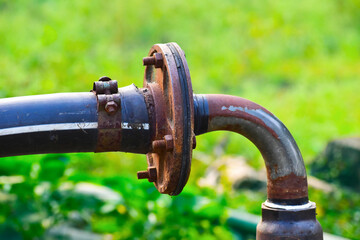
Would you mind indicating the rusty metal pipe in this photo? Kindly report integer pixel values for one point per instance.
(287, 214)
(161, 120)
(287, 183)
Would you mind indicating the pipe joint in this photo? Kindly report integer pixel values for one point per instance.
(161, 120)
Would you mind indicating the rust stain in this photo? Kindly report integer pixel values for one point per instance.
(109, 115)
(216, 109)
(288, 187)
(164, 101)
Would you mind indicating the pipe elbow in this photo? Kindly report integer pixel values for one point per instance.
(286, 174)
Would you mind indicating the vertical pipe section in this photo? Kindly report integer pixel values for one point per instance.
(287, 181)
(52, 123)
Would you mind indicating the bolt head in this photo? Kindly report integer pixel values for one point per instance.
(169, 143)
(159, 62)
(111, 107)
(152, 174)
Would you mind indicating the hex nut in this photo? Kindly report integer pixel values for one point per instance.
(111, 107)
(152, 174)
(156, 59)
(169, 143)
(165, 144)
(159, 62)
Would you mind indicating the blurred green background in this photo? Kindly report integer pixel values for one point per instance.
(299, 59)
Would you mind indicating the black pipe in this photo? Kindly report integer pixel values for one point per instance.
(73, 122)
(53, 123)
(135, 130)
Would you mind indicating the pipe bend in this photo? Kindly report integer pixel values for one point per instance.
(286, 174)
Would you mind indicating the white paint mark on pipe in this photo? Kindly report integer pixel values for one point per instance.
(232, 108)
(48, 127)
(138, 126)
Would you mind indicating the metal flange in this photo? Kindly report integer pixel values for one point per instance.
(167, 78)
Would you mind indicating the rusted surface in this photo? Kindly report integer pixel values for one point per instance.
(281, 224)
(111, 107)
(156, 59)
(167, 78)
(287, 183)
(109, 116)
(150, 174)
(105, 86)
(159, 120)
(166, 144)
(231, 106)
(288, 187)
(109, 132)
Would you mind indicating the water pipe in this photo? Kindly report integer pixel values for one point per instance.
(162, 120)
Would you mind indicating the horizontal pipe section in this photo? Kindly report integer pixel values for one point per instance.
(287, 181)
(74, 122)
(135, 126)
(53, 123)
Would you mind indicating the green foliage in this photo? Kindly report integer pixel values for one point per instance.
(40, 202)
(338, 211)
(298, 59)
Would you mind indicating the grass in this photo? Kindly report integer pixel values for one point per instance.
(298, 59)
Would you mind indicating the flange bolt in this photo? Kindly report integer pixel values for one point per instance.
(111, 107)
(166, 144)
(150, 174)
(156, 59)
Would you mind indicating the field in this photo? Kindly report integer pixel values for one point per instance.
(300, 60)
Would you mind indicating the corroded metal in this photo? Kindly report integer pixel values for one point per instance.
(109, 115)
(123, 122)
(287, 214)
(105, 86)
(161, 120)
(285, 167)
(167, 78)
(156, 59)
(150, 174)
